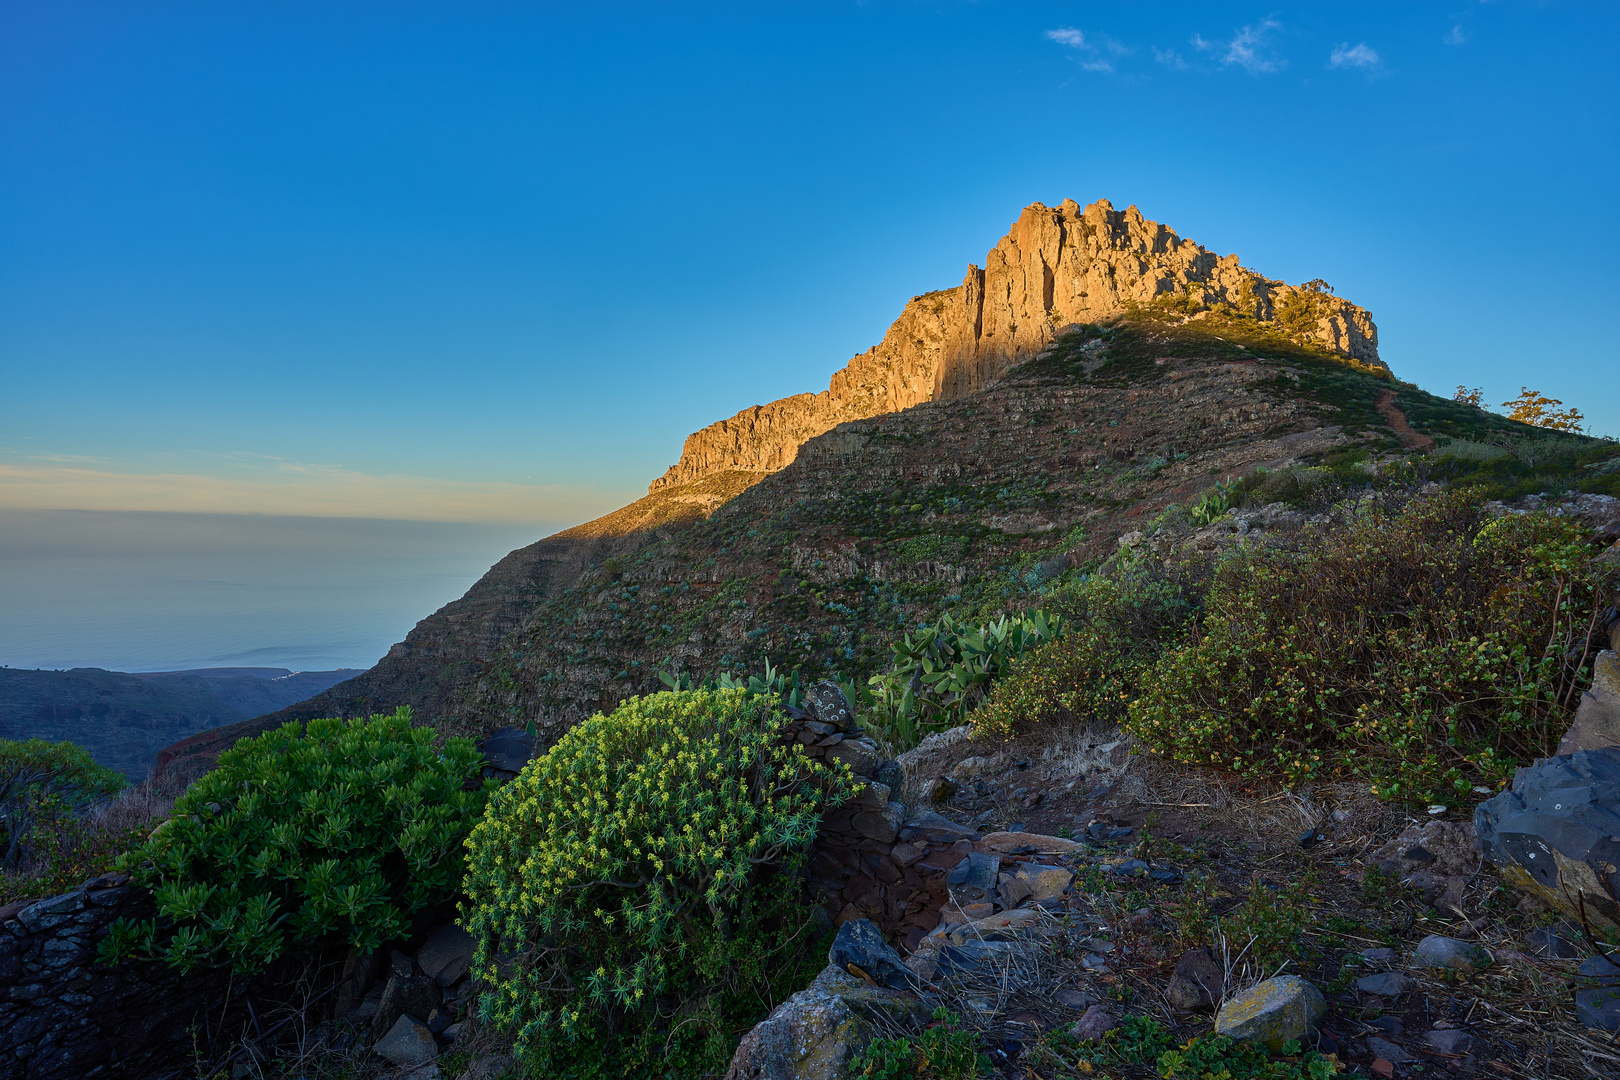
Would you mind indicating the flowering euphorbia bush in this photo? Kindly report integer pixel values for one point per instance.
(624, 865)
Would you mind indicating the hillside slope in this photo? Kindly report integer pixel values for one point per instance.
(964, 492)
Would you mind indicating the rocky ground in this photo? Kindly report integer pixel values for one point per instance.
(1426, 961)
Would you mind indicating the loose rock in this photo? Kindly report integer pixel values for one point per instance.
(974, 879)
(447, 955)
(1272, 1012)
(1385, 984)
(1556, 832)
(1198, 982)
(1387, 1050)
(860, 942)
(1435, 951)
(408, 1043)
(1096, 1022)
(1450, 1041)
(410, 995)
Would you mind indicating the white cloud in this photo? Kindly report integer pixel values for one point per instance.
(1248, 49)
(1170, 59)
(1093, 53)
(300, 490)
(1358, 57)
(1454, 36)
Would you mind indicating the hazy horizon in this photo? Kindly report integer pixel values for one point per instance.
(150, 591)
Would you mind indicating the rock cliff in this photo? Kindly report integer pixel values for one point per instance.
(1056, 267)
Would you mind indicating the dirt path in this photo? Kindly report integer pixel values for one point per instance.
(1409, 436)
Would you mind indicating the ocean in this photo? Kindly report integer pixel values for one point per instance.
(163, 592)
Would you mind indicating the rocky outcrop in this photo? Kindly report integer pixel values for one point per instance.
(1556, 833)
(1057, 267)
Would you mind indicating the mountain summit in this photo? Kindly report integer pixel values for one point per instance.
(1057, 268)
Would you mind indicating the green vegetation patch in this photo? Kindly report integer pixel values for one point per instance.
(338, 829)
(1427, 650)
(1118, 625)
(1141, 1040)
(943, 1051)
(628, 888)
(44, 789)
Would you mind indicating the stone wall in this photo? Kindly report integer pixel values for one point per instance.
(869, 861)
(65, 1017)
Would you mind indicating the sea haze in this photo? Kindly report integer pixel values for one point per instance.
(163, 592)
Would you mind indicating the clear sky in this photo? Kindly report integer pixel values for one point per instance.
(492, 262)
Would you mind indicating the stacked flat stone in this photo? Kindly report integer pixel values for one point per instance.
(64, 1017)
(868, 861)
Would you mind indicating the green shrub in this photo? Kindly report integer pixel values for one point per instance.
(1268, 928)
(1222, 1058)
(1141, 1040)
(634, 871)
(1427, 649)
(46, 780)
(1211, 505)
(940, 674)
(942, 1052)
(1118, 625)
(341, 829)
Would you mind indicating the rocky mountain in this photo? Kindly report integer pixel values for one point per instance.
(124, 718)
(1004, 432)
(1056, 268)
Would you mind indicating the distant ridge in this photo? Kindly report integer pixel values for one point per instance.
(124, 718)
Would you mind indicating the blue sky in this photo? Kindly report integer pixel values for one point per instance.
(491, 262)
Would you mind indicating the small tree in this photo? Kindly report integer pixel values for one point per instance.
(36, 775)
(1465, 396)
(1537, 409)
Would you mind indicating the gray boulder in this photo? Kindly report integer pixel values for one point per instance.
(860, 942)
(1556, 833)
(1436, 951)
(1273, 1012)
(408, 1043)
(816, 1033)
(447, 955)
